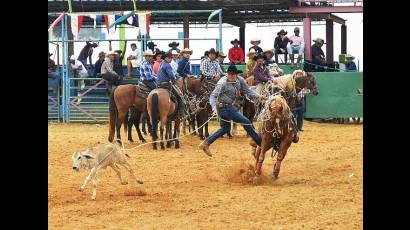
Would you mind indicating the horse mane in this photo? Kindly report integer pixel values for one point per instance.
(282, 107)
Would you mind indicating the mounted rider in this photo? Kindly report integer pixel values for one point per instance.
(184, 65)
(166, 80)
(224, 101)
(210, 68)
(147, 76)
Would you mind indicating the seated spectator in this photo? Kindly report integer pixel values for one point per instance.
(221, 58)
(255, 45)
(268, 53)
(53, 74)
(281, 41)
(108, 73)
(296, 45)
(249, 67)
(133, 59)
(261, 73)
(350, 65)
(236, 55)
(318, 56)
(98, 64)
(118, 63)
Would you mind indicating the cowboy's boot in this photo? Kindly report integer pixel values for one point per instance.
(205, 147)
(298, 61)
(292, 60)
(296, 138)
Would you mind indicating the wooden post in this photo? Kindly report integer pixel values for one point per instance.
(329, 41)
(343, 39)
(307, 35)
(242, 38)
(186, 30)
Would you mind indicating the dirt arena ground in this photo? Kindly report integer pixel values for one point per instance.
(320, 185)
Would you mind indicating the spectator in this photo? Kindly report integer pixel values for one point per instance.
(268, 53)
(296, 45)
(299, 112)
(79, 72)
(281, 41)
(98, 64)
(249, 67)
(174, 63)
(133, 59)
(53, 74)
(108, 73)
(87, 52)
(174, 46)
(203, 58)
(236, 54)
(119, 56)
(158, 56)
(184, 66)
(210, 67)
(221, 58)
(261, 73)
(318, 56)
(147, 76)
(151, 46)
(350, 65)
(255, 45)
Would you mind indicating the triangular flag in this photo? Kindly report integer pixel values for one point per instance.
(109, 19)
(144, 22)
(80, 22)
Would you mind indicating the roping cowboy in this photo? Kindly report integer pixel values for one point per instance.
(224, 101)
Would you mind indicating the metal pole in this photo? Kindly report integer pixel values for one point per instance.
(63, 74)
(66, 96)
(220, 32)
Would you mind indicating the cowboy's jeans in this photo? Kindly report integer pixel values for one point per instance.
(150, 84)
(229, 112)
(299, 113)
(295, 49)
(55, 79)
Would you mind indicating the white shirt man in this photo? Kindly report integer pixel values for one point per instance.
(134, 58)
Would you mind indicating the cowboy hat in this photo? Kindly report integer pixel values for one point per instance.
(349, 57)
(221, 54)
(319, 40)
(282, 32)
(236, 40)
(148, 53)
(296, 29)
(151, 44)
(173, 43)
(233, 69)
(251, 51)
(255, 39)
(186, 50)
(102, 53)
(298, 71)
(212, 50)
(174, 52)
(259, 56)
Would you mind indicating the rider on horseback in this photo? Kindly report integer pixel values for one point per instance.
(223, 101)
(166, 79)
(146, 70)
(210, 68)
(184, 66)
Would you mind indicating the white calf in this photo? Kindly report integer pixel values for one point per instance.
(100, 157)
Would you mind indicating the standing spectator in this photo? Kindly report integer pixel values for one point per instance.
(210, 67)
(133, 59)
(281, 41)
(79, 72)
(119, 56)
(146, 70)
(318, 56)
(174, 46)
(108, 73)
(158, 56)
(251, 64)
(52, 73)
(261, 73)
(203, 58)
(221, 59)
(236, 54)
(98, 64)
(87, 52)
(299, 111)
(151, 46)
(184, 66)
(350, 65)
(296, 45)
(255, 45)
(174, 63)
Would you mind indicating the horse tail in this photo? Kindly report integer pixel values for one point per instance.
(127, 121)
(154, 114)
(113, 116)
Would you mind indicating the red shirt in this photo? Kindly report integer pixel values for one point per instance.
(156, 66)
(236, 54)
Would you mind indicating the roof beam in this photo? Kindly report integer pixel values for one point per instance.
(328, 16)
(326, 9)
(237, 23)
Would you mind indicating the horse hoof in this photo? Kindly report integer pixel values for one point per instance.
(256, 180)
(143, 141)
(274, 177)
(177, 146)
(145, 133)
(168, 145)
(81, 189)
(131, 140)
(162, 147)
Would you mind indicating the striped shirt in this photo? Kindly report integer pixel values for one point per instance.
(210, 68)
(303, 93)
(146, 71)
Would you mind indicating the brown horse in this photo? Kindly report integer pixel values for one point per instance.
(198, 91)
(160, 107)
(277, 130)
(307, 81)
(123, 98)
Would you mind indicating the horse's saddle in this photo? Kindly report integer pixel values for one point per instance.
(143, 90)
(168, 86)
